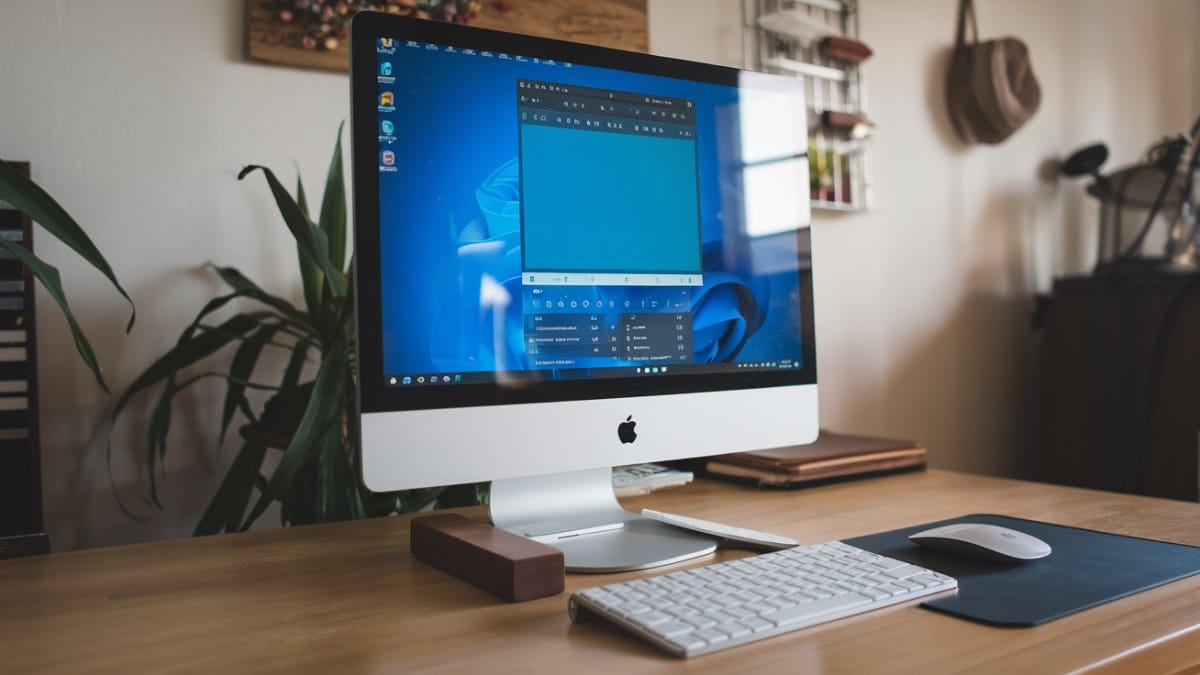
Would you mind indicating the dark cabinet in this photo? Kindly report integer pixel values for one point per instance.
(1119, 388)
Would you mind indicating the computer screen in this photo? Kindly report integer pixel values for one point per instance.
(571, 257)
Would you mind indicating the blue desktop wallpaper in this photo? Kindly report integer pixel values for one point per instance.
(450, 217)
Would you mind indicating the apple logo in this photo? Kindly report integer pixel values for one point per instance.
(625, 430)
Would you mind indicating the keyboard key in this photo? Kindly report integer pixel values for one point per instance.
(734, 629)
(757, 624)
(672, 628)
(687, 642)
(905, 571)
(630, 608)
(711, 635)
(653, 618)
(816, 608)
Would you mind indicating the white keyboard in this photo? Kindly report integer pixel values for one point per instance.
(703, 609)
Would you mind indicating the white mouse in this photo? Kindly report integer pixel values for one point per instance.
(987, 542)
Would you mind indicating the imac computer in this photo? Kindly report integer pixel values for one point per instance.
(571, 258)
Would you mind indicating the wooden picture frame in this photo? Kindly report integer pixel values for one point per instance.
(620, 24)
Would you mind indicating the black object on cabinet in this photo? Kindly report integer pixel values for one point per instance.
(1119, 389)
(21, 526)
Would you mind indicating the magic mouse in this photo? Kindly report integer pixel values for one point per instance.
(985, 542)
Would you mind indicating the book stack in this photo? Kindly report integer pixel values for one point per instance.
(831, 457)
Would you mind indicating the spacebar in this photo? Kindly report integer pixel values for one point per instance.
(815, 609)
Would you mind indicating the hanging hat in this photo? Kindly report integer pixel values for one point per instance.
(991, 89)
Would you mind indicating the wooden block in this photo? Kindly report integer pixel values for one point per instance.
(496, 560)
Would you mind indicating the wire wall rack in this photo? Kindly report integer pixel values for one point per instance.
(807, 39)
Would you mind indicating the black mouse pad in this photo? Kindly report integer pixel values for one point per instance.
(1085, 568)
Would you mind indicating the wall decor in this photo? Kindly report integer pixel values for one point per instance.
(313, 33)
(818, 40)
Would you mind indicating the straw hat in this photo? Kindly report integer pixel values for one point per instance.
(991, 89)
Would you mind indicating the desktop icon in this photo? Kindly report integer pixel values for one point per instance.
(387, 98)
(388, 158)
(387, 127)
(421, 380)
(407, 380)
(625, 430)
(385, 42)
(385, 69)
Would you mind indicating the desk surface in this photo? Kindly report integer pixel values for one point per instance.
(349, 597)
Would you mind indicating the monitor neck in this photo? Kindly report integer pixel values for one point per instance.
(578, 513)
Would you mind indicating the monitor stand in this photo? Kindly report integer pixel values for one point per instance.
(578, 513)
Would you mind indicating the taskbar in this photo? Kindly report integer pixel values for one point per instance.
(576, 373)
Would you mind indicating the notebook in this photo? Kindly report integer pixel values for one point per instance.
(831, 456)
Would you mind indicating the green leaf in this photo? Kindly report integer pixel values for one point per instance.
(160, 422)
(188, 350)
(310, 238)
(311, 281)
(240, 369)
(52, 282)
(247, 288)
(301, 198)
(333, 206)
(156, 435)
(320, 413)
(333, 498)
(299, 357)
(32, 200)
(224, 512)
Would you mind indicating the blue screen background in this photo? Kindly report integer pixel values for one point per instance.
(450, 255)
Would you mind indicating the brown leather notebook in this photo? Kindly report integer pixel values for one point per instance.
(832, 455)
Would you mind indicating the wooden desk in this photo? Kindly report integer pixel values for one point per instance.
(349, 597)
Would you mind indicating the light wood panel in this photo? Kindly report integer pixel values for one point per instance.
(349, 597)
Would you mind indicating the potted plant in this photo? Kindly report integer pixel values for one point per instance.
(311, 421)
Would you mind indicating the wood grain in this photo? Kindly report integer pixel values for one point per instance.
(349, 597)
(621, 24)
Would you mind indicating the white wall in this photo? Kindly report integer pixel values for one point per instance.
(923, 304)
(138, 115)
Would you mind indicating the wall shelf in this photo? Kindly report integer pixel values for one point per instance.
(783, 37)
